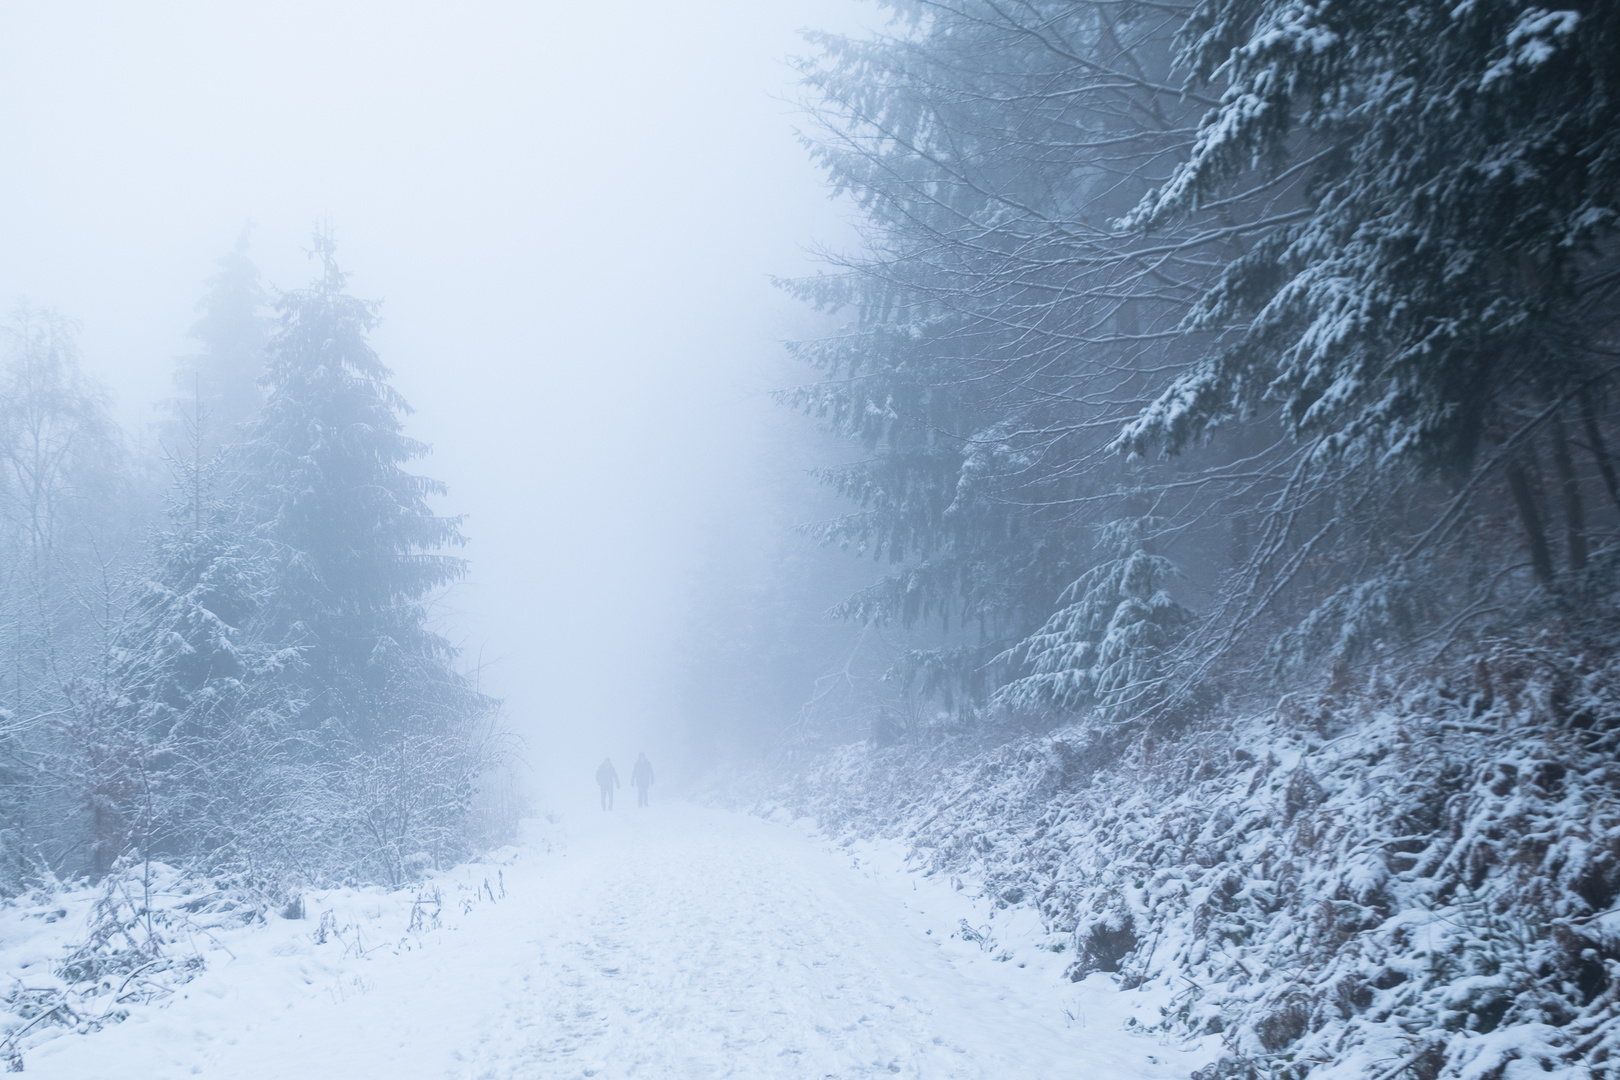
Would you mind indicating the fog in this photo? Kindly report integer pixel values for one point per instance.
(1070, 497)
(570, 212)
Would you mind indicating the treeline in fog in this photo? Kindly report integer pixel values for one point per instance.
(220, 652)
(1223, 395)
(1195, 349)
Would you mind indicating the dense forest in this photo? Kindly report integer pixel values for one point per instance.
(1186, 532)
(220, 651)
(1194, 348)
(1197, 357)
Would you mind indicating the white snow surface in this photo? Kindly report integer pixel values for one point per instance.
(675, 941)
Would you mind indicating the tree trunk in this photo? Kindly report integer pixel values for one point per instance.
(1570, 486)
(1524, 496)
(1594, 438)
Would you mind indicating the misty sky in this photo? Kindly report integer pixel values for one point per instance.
(569, 210)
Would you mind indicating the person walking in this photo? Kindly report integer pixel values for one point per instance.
(641, 776)
(607, 778)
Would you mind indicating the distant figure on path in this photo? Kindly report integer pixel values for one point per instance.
(607, 778)
(641, 776)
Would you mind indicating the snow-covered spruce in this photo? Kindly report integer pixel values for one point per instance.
(1412, 878)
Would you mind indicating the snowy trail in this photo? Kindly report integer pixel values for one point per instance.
(671, 942)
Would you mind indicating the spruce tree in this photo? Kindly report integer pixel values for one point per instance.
(358, 549)
(1443, 296)
(1332, 285)
(217, 387)
(192, 711)
(1110, 642)
(997, 333)
(275, 704)
(391, 733)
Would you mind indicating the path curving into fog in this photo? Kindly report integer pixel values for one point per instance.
(666, 943)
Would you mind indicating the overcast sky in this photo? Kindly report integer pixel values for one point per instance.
(569, 210)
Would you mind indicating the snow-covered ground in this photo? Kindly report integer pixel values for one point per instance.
(670, 942)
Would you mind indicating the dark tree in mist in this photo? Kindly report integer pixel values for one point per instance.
(998, 332)
(222, 377)
(1442, 302)
(357, 557)
(359, 549)
(1314, 304)
(248, 686)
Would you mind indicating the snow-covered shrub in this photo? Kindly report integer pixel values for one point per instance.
(132, 937)
(1108, 646)
(1416, 876)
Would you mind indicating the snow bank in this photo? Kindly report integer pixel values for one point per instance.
(1413, 878)
(671, 941)
(78, 958)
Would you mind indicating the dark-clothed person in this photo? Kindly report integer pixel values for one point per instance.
(607, 778)
(641, 776)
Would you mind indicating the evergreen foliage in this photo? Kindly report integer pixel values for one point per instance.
(217, 387)
(1107, 645)
(1312, 294)
(997, 334)
(357, 547)
(1462, 172)
(259, 695)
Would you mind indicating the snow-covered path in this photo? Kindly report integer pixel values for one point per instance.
(671, 942)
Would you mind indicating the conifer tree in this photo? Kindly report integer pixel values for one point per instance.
(998, 334)
(358, 549)
(273, 700)
(1444, 294)
(1113, 637)
(393, 733)
(217, 387)
(1332, 285)
(197, 696)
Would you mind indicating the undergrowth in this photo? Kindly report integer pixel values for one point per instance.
(1414, 877)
